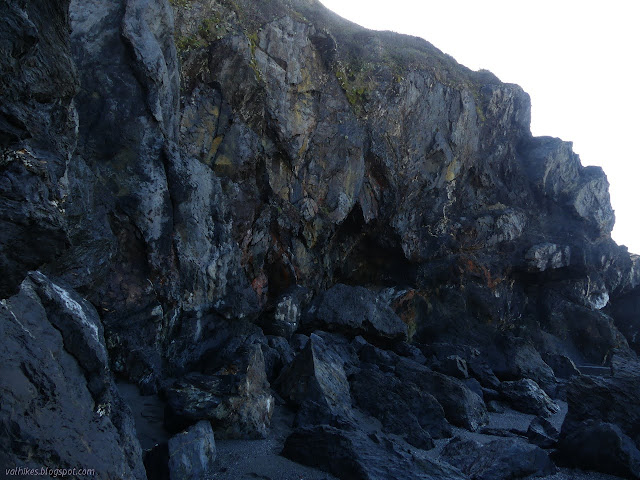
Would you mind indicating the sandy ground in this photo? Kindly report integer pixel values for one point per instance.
(148, 413)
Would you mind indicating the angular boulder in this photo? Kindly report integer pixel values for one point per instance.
(602, 447)
(454, 366)
(602, 428)
(353, 455)
(355, 311)
(60, 405)
(526, 396)
(192, 453)
(543, 433)
(498, 460)
(236, 400)
(401, 407)
(563, 367)
(606, 399)
(462, 407)
(316, 379)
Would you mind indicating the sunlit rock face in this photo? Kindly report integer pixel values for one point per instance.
(238, 192)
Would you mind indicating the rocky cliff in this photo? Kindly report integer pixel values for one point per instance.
(241, 204)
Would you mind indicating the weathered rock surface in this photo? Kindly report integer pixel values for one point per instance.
(498, 459)
(37, 126)
(210, 183)
(355, 311)
(60, 406)
(192, 453)
(285, 318)
(602, 427)
(526, 396)
(355, 455)
(316, 382)
(236, 399)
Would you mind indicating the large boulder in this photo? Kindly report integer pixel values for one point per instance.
(526, 396)
(60, 405)
(236, 399)
(192, 453)
(316, 380)
(600, 446)
(514, 359)
(602, 428)
(353, 455)
(498, 460)
(401, 407)
(355, 311)
(462, 407)
(607, 399)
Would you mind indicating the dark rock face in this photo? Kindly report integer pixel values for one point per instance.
(214, 194)
(316, 381)
(37, 123)
(60, 407)
(625, 314)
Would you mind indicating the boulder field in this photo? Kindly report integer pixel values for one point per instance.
(251, 239)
